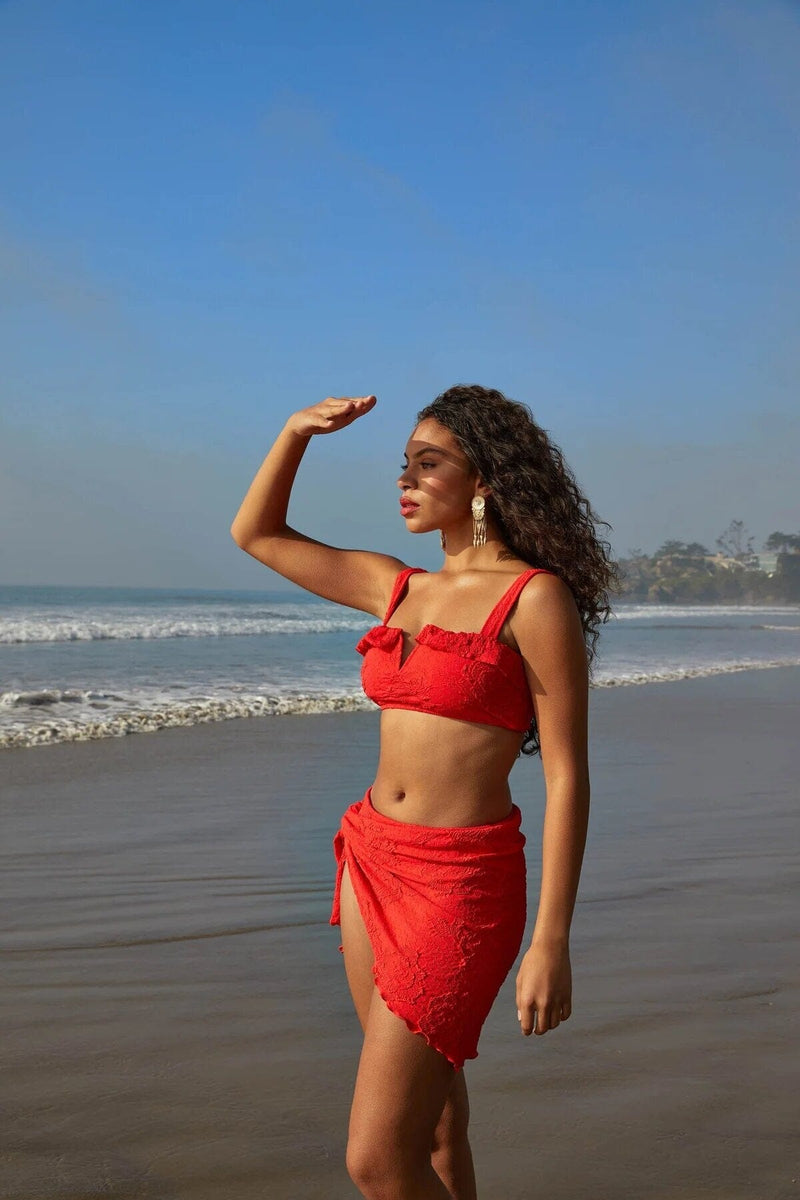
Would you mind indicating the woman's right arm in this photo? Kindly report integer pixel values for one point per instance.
(358, 578)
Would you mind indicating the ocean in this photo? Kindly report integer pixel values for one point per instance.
(95, 662)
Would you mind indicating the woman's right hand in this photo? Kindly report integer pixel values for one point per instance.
(332, 414)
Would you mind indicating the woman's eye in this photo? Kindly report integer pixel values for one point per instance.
(428, 464)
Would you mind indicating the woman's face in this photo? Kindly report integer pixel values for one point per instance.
(437, 481)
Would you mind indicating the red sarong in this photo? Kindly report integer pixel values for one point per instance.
(445, 913)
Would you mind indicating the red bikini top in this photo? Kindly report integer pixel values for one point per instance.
(465, 676)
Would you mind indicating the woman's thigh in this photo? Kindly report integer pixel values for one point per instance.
(402, 1087)
(400, 1077)
(357, 949)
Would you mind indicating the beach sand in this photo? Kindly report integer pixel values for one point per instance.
(175, 1018)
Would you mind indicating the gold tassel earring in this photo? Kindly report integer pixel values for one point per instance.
(478, 521)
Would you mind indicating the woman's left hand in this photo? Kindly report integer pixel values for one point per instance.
(544, 987)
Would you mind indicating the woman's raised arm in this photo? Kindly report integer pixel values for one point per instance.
(358, 578)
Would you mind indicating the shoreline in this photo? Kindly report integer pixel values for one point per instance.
(181, 1024)
(215, 711)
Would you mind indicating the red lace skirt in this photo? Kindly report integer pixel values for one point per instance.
(445, 913)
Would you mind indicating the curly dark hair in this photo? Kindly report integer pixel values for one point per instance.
(535, 502)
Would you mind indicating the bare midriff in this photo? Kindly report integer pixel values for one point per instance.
(438, 771)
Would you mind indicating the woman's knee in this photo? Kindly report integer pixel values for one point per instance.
(382, 1170)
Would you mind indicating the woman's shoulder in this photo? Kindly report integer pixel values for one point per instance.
(545, 595)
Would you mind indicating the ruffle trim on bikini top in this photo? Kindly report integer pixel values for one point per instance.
(477, 646)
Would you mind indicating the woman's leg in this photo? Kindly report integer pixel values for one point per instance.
(400, 1092)
(394, 1136)
(451, 1155)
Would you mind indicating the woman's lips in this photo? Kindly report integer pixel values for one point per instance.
(407, 507)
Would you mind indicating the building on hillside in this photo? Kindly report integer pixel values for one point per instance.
(724, 561)
(767, 562)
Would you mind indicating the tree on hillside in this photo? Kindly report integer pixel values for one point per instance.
(634, 567)
(783, 543)
(675, 549)
(671, 546)
(734, 541)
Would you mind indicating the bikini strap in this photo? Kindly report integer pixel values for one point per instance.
(497, 617)
(398, 589)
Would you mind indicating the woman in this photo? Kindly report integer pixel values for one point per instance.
(430, 889)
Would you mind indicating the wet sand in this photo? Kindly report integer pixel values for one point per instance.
(175, 1016)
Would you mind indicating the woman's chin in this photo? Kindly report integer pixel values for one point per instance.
(415, 526)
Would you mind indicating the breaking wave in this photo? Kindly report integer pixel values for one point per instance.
(50, 715)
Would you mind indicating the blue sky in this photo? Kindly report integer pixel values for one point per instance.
(214, 214)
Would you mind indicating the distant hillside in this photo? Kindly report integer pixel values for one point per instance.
(687, 573)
